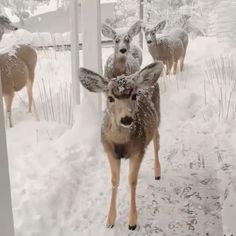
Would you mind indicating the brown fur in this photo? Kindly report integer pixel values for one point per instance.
(168, 50)
(17, 71)
(136, 98)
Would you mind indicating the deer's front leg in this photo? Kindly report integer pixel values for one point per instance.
(135, 162)
(157, 166)
(115, 179)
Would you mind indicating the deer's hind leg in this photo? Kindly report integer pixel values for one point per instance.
(8, 98)
(115, 179)
(157, 166)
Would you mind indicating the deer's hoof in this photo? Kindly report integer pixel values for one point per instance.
(132, 227)
(157, 177)
(110, 226)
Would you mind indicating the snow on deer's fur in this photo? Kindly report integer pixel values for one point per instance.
(127, 58)
(131, 121)
(16, 70)
(171, 48)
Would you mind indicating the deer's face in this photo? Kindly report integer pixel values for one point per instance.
(121, 41)
(150, 33)
(121, 92)
(150, 36)
(6, 24)
(121, 101)
(122, 44)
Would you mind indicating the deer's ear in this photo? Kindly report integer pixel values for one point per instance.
(135, 29)
(160, 26)
(108, 32)
(92, 81)
(149, 75)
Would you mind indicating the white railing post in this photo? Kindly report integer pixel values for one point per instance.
(91, 30)
(6, 215)
(75, 51)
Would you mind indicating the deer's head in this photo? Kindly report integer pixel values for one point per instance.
(6, 24)
(150, 33)
(121, 41)
(122, 92)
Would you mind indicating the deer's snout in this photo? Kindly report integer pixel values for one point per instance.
(15, 28)
(123, 50)
(126, 121)
(149, 41)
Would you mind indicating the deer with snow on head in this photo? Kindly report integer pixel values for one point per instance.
(16, 71)
(131, 121)
(171, 48)
(127, 57)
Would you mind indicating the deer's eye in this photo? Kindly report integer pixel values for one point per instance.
(117, 40)
(134, 97)
(110, 99)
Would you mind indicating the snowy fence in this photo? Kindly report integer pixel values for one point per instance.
(58, 40)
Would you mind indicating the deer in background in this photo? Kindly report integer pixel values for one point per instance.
(16, 71)
(131, 121)
(127, 58)
(171, 48)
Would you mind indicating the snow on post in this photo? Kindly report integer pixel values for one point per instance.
(92, 56)
(141, 5)
(75, 51)
(6, 215)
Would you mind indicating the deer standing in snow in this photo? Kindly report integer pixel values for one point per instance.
(16, 71)
(131, 121)
(171, 48)
(127, 58)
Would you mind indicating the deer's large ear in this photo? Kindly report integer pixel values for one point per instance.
(149, 75)
(108, 32)
(160, 26)
(92, 81)
(135, 29)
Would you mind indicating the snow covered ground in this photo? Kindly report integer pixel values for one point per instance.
(60, 176)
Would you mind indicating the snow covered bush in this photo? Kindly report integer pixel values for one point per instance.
(223, 22)
(55, 107)
(220, 85)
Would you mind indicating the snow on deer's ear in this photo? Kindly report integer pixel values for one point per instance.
(160, 26)
(149, 75)
(92, 81)
(135, 29)
(108, 32)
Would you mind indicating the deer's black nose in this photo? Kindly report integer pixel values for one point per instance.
(15, 28)
(149, 41)
(123, 50)
(126, 121)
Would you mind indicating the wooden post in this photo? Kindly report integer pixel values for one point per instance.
(6, 215)
(141, 6)
(91, 30)
(75, 51)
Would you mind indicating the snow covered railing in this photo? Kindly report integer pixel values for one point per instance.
(6, 215)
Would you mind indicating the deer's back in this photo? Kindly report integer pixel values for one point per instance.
(28, 55)
(180, 34)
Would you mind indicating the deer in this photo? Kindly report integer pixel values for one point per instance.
(127, 57)
(131, 121)
(170, 48)
(16, 71)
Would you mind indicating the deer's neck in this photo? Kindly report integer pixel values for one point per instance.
(154, 50)
(120, 65)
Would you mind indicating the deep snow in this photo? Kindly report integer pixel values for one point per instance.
(60, 176)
